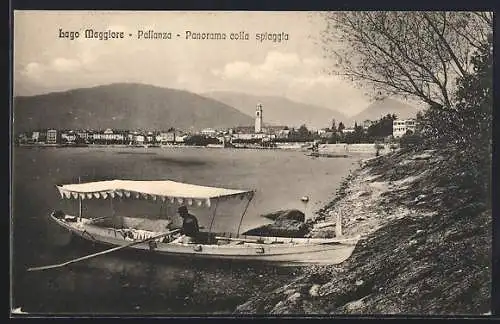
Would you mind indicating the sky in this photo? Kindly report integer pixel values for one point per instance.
(294, 68)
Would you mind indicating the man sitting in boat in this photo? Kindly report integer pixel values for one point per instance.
(190, 229)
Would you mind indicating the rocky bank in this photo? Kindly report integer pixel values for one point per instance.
(425, 247)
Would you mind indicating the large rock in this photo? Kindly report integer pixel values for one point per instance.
(287, 223)
(290, 214)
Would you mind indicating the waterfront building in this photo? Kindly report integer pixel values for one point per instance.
(321, 131)
(209, 132)
(284, 133)
(95, 136)
(249, 136)
(401, 127)
(131, 137)
(243, 130)
(35, 136)
(22, 138)
(167, 137)
(180, 138)
(84, 135)
(68, 136)
(108, 136)
(119, 136)
(273, 129)
(140, 139)
(325, 134)
(51, 136)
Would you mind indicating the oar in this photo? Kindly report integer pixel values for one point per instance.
(223, 238)
(60, 265)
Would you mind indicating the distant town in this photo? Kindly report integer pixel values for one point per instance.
(385, 130)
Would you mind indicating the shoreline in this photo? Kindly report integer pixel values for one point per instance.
(335, 151)
(418, 239)
(357, 200)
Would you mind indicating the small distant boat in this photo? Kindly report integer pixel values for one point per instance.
(328, 155)
(215, 145)
(210, 244)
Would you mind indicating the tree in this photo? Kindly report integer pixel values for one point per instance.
(334, 126)
(334, 138)
(303, 131)
(359, 131)
(300, 135)
(410, 140)
(200, 140)
(468, 126)
(356, 137)
(381, 128)
(410, 54)
(341, 127)
(470, 120)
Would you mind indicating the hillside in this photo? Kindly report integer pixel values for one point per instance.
(426, 246)
(124, 106)
(279, 110)
(382, 107)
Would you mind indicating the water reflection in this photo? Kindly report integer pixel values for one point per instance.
(134, 282)
(139, 283)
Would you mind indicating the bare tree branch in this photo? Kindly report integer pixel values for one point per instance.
(409, 53)
(445, 43)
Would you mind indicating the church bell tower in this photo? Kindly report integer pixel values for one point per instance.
(258, 119)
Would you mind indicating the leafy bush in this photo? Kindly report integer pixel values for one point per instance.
(411, 140)
(200, 140)
(467, 127)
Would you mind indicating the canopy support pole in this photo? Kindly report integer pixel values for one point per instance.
(213, 217)
(80, 208)
(79, 203)
(113, 218)
(243, 215)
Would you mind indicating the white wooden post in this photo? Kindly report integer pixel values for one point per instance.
(338, 224)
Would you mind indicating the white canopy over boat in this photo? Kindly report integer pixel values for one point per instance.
(166, 190)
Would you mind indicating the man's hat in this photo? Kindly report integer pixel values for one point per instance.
(182, 209)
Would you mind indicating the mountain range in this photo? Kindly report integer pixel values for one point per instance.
(124, 106)
(382, 107)
(140, 106)
(279, 110)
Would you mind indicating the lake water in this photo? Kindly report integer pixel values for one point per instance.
(137, 284)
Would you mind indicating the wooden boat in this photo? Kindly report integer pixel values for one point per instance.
(210, 244)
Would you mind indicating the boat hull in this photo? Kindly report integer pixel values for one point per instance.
(283, 251)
